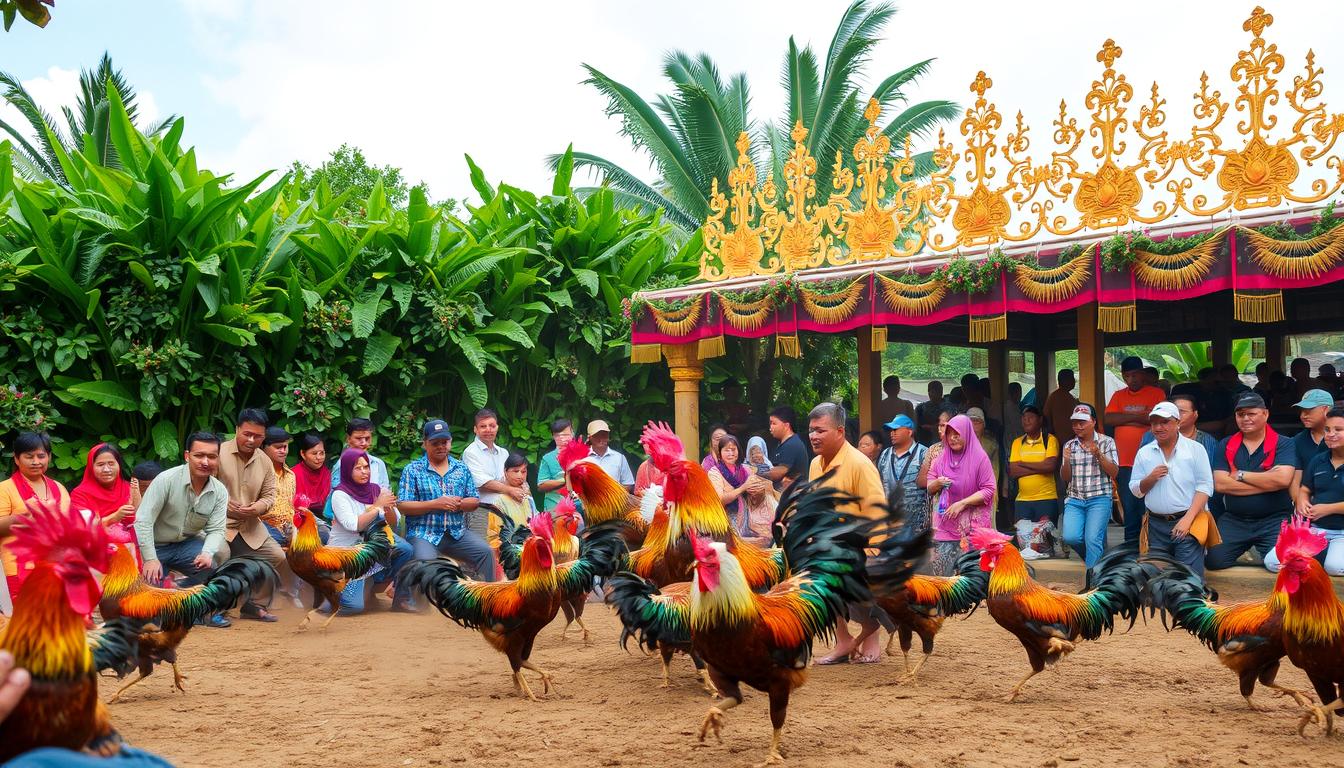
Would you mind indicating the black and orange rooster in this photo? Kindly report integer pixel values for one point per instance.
(329, 569)
(565, 545)
(1313, 620)
(46, 636)
(1048, 623)
(168, 614)
(765, 640)
(603, 498)
(509, 614)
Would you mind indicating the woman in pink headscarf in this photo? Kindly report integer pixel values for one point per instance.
(963, 483)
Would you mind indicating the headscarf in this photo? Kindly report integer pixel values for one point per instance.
(758, 442)
(964, 466)
(311, 485)
(735, 476)
(95, 497)
(364, 493)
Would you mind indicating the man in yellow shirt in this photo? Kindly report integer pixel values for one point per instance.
(1032, 462)
(857, 476)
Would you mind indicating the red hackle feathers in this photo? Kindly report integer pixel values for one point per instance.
(663, 445)
(55, 533)
(988, 538)
(1297, 538)
(572, 454)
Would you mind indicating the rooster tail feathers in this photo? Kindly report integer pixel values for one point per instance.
(440, 581)
(1184, 597)
(230, 583)
(116, 645)
(1120, 583)
(511, 538)
(601, 552)
(646, 614)
(956, 594)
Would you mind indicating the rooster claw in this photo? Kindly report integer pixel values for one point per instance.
(713, 722)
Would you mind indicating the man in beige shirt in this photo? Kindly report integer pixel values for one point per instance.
(248, 475)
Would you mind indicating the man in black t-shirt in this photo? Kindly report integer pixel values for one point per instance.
(791, 458)
(1252, 470)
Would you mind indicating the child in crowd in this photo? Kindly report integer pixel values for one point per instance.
(515, 475)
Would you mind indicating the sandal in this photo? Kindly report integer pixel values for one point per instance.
(861, 659)
(827, 661)
(261, 615)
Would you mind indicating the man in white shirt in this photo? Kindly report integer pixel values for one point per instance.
(1173, 477)
(486, 460)
(606, 457)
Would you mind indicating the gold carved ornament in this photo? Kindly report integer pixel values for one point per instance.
(737, 246)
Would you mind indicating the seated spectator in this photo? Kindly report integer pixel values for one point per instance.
(1089, 467)
(758, 458)
(1173, 478)
(106, 492)
(1032, 462)
(1320, 498)
(312, 479)
(870, 444)
(435, 492)
(1311, 440)
(355, 504)
(515, 476)
(1253, 471)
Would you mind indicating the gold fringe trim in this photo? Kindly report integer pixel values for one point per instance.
(879, 342)
(745, 315)
(1119, 318)
(787, 346)
(1258, 307)
(1057, 283)
(1177, 271)
(993, 328)
(1296, 258)
(646, 353)
(711, 347)
(910, 299)
(677, 322)
(833, 307)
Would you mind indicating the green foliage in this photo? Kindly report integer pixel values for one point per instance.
(349, 180)
(31, 10)
(1182, 362)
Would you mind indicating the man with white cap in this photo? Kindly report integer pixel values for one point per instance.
(602, 454)
(1173, 478)
(1088, 469)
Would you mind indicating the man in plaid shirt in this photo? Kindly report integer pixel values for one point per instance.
(1089, 467)
(435, 493)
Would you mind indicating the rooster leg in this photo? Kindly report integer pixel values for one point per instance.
(709, 684)
(1018, 688)
(117, 696)
(307, 618)
(667, 673)
(1324, 714)
(178, 677)
(776, 756)
(1303, 698)
(909, 676)
(1253, 706)
(579, 621)
(334, 611)
(520, 685)
(546, 682)
(713, 722)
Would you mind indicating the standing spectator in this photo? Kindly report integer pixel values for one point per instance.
(647, 475)
(1263, 386)
(359, 436)
(738, 488)
(898, 466)
(851, 473)
(926, 414)
(608, 458)
(962, 480)
(1311, 440)
(550, 477)
(1128, 413)
(486, 460)
(893, 404)
(1300, 371)
(312, 476)
(716, 433)
(870, 444)
(279, 520)
(435, 493)
(1089, 468)
(931, 454)
(250, 480)
(180, 522)
(1032, 462)
(790, 460)
(106, 492)
(1189, 426)
(1230, 378)
(987, 443)
(1012, 414)
(32, 457)
(1328, 379)
(1215, 404)
(1059, 406)
(1173, 478)
(1321, 496)
(355, 504)
(1253, 471)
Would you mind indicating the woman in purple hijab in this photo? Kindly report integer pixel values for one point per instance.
(962, 479)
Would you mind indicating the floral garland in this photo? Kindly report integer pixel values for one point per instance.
(1283, 252)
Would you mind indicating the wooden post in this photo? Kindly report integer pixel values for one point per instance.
(1275, 352)
(1091, 360)
(1221, 349)
(687, 371)
(1043, 360)
(870, 382)
(998, 372)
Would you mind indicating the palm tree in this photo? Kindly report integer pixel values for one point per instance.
(690, 133)
(85, 129)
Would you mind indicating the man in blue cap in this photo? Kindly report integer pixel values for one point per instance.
(1315, 403)
(899, 465)
(436, 492)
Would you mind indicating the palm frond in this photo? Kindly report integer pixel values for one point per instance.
(44, 127)
(801, 82)
(920, 120)
(621, 180)
(891, 90)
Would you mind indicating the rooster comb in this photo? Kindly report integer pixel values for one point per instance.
(701, 545)
(1297, 538)
(662, 444)
(542, 525)
(565, 507)
(988, 538)
(572, 454)
(50, 531)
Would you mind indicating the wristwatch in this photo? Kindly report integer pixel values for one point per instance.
(1241, 476)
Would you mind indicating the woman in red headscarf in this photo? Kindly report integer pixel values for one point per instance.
(106, 492)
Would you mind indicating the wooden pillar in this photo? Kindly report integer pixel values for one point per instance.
(687, 370)
(870, 382)
(1221, 350)
(1091, 359)
(998, 372)
(1276, 352)
(1043, 362)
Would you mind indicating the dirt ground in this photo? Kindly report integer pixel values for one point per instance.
(393, 689)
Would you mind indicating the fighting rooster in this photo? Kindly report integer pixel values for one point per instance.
(168, 614)
(46, 636)
(1313, 621)
(765, 640)
(329, 569)
(509, 614)
(1049, 623)
(603, 498)
(565, 545)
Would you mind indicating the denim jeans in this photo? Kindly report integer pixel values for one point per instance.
(1333, 555)
(1131, 507)
(1185, 550)
(178, 556)
(352, 597)
(470, 550)
(1240, 534)
(1085, 523)
(51, 757)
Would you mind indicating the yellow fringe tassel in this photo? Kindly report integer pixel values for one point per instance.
(879, 343)
(787, 346)
(646, 353)
(985, 329)
(711, 347)
(1121, 318)
(1258, 307)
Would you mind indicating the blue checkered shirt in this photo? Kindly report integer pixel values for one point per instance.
(419, 482)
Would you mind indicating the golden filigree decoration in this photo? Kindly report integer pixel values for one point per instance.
(1176, 271)
(1296, 259)
(831, 308)
(912, 299)
(800, 232)
(745, 315)
(676, 322)
(738, 244)
(1048, 285)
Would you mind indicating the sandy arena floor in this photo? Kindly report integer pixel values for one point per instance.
(393, 689)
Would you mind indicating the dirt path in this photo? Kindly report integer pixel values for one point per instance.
(392, 689)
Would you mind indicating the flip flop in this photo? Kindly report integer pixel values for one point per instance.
(868, 659)
(262, 615)
(827, 661)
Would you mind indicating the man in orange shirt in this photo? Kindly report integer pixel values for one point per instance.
(1127, 413)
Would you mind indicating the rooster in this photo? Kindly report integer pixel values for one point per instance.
(1248, 637)
(1049, 623)
(565, 546)
(603, 498)
(1313, 620)
(765, 640)
(46, 636)
(509, 614)
(926, 602)
(168, 614)
(329, 569)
